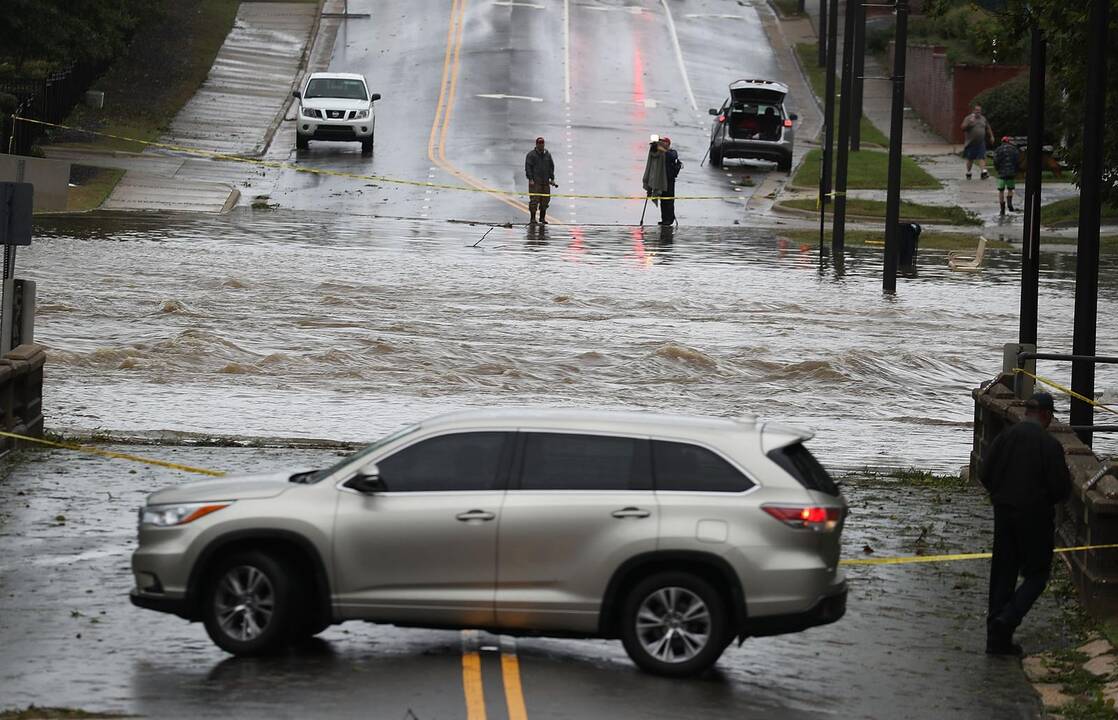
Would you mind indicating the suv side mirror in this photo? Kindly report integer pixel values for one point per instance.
(367, 481)
(713, 111)
(296, 93)
(793, 116)
(374, 97)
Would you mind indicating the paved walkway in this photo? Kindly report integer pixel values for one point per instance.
(236, 111)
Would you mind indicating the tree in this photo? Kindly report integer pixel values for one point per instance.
(59, 32)
(1064, 25)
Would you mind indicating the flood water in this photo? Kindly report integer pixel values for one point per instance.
(284, 324)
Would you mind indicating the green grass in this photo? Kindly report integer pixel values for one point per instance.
(808, 54)
(929, 239)
(867, 170)
(93, 189)
(163, 67)
(910, 211)
(34, 712)
(788, 8)
(1067, 211)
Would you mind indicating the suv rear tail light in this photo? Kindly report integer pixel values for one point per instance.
(787, 122)
(722, 118)
(806, 517)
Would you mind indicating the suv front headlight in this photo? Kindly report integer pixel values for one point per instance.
(360, 114)
(311, 113)
(172, 515)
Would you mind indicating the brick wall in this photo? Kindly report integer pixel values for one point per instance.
(941, 94)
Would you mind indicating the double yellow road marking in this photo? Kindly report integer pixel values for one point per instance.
(472, 677)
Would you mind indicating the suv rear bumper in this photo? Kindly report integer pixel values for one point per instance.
(830, 608)
(757, 150)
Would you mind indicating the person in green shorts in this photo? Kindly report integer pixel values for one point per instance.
(1007, 159)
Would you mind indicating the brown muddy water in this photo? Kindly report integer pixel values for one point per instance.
(272, 323)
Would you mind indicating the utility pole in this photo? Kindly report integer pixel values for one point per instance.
(828, 119)
(822, 33)
(896, 130)
(838, 226)
(1087, 252)
(859, 74)
(1030, 241)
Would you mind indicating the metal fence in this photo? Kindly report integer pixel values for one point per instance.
(49, 99)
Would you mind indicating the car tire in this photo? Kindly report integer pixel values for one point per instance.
(301, 143)
(785, 165)
(715, 158)
(674, 624)
(250, 604)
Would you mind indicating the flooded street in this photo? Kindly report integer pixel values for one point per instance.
(278, 323)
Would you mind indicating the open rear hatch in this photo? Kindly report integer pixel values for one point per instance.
(756, 110)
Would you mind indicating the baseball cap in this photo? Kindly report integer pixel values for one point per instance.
(665, 138)
(539, 139)
(1040, 401)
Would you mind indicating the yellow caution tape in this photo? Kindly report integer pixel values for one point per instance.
(960, 556)
(1066, 390)
(111, 454)
(375, 178)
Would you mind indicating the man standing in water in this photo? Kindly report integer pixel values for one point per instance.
(672, 166)
(540, 170)
(1026, 475)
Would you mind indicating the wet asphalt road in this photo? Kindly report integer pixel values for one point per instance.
(467, 86)
(909, 646)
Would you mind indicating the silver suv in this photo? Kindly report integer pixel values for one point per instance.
(335, 106)
(675, 534)
(753, 124)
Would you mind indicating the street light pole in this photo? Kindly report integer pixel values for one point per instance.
(828, 120)
(838, 227)
(859, 73)
(1030, 241)
(896, 130)
(823, 33)
(1087, 252)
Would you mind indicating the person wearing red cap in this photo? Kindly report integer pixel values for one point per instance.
(1007, 160)
(672, 166)
(540, 170)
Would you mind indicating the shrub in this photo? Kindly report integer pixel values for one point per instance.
(8, 103)
(1006, 106)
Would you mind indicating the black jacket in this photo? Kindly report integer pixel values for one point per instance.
(672, 166)
(1025, 468)
(539, 167)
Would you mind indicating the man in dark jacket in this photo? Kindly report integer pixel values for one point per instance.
(1007, 159)
(672, 166)
(1026, 475)
(540, 170)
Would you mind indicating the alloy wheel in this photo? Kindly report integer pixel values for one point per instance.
(244, 602)
(673, 624)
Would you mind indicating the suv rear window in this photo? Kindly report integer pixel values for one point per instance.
(685, 467)
(798, 461)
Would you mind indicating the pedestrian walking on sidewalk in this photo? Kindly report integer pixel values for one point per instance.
(672, 166)
(1027, 476)
(655, 180)
(540, 170)
(1007, 160)
(978, 134)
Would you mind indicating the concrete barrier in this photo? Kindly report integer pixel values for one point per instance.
(1089, 517)
(51, 179)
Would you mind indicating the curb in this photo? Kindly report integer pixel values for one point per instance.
(312, 38)
(781, 209)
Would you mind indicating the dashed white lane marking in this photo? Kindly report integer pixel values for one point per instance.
(679, 55)
(509, 3)
(714, 15)
(634, 9)
(502, 96)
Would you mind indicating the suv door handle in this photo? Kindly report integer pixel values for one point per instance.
(481, 515)
(630, 512)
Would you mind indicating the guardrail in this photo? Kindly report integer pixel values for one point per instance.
(21, 393)
(1020, 361)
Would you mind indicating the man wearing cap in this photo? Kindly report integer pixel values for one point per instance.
(672, 166)
(1007, 159)
(540, 170)
(1026, 474)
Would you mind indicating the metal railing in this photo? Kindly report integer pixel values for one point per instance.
(50, 99)
(1024, 371)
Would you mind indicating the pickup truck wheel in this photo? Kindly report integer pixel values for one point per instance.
(301, 143)
(674, 624)
(250, 604)
(367, 146)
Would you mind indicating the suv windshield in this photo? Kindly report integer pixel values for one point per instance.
(358, 456)
(336, 88)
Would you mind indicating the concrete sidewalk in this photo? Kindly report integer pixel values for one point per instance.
(236, 112)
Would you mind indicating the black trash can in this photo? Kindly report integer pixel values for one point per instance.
(909, 234)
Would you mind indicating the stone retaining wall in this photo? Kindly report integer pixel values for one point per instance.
(21, 393)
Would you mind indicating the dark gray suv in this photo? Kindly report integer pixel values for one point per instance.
(753, 124)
